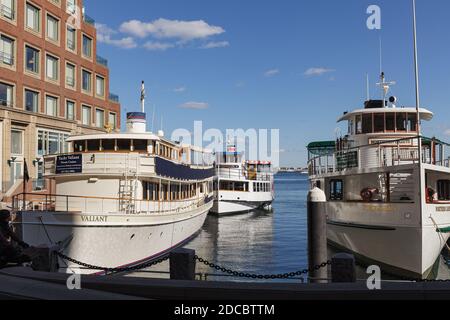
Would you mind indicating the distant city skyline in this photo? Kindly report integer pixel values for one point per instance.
(289, 65)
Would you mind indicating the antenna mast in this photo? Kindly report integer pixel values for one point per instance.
(416, 69)
(143, 97)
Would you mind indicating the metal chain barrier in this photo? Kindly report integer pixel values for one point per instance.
(259, 276)
(113, 270)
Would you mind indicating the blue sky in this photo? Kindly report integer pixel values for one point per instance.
(292, 65)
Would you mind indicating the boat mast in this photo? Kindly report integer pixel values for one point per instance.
(143, 97)
(416, 69)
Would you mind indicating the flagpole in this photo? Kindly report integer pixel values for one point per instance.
(419, 129)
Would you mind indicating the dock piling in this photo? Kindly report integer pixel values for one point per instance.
(182, 264)
(343, 268)
(317, 235)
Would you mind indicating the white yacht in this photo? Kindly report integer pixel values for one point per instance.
(241, 186)
(121, 199)
(387, 188)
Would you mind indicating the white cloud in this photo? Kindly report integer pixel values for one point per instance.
(105, 34)
(195, 105)
(447, 132)
(171, 29)
(316, 72)
(271, 72)
(158, 46)
(179, 89)
(215, 44)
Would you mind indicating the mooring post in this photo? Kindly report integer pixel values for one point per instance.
(343, 268)
(182, 264)
(317, 235)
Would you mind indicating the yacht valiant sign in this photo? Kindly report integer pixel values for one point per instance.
(69, 164)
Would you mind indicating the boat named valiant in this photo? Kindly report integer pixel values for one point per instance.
(121, 198)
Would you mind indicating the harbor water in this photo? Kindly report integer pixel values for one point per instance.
(259, 242)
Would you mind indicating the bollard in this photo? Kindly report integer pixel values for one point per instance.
(44, 259)
(317, 235)
(182, 264)
(343, 268)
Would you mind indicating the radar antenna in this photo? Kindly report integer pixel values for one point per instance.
(385, 87)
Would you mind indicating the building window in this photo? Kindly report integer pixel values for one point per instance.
(32, 59)
(33, 18)
(7, 9)
(7, 50)
(87, 81)
(336, 190)
(52, 68)
(52, 28)
(112, 120)
(70, 75)
(6, 95)
(87, 46)
(71, 6)
(31, 101)
(16, 142)
(71, 38)
(86, 116)
(70, 110)
(50, 142)
(51, 106)
(100, 118)
(100, 86)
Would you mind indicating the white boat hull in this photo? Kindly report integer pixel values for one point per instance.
(111, 241)
(405, 249)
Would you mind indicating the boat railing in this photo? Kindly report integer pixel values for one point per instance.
(240, 174)
(101, 205)
(380, 154)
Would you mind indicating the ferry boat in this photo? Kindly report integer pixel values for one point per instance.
(242, 186)
(121, 198)
(387, 188)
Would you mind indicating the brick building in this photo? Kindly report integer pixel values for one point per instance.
(52, 84)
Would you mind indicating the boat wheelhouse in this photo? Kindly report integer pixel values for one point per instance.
(242, 186)
(121, 198)
(387, 188)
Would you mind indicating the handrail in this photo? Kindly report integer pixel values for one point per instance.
(388, 153)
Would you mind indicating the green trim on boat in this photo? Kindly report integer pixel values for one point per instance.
(443, 230)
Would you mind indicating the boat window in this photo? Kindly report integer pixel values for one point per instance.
(140, 145)
(401, 121)
(78, 146)
(378, 121)
(443, 190)
(351, 127)
(390, 121)
(124, 145)
(93, 145)
(358, 121)
(367, 123)
(109, 145)
(412, 122)
(336, 190)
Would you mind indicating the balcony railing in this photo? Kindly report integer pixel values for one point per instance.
(382, 154)
(114, 97)
(102, 61)
(7, 12)
(89, 20)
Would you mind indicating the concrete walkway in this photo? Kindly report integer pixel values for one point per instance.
(23, 282)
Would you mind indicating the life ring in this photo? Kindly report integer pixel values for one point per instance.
(367, 194)
(430, 193)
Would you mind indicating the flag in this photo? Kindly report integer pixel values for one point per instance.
(26, 175)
